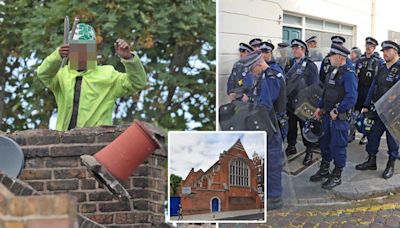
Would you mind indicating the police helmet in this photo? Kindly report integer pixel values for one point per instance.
(312, 130)
(364, 123)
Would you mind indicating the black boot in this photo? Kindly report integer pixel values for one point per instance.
(323, 172)
(290, 150)
(370, 164)
(334, 180)
(308, 157)
(389, 171)
(274, 204)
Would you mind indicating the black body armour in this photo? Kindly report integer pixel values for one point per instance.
(367, 69)
(334, 91)
(383, 84)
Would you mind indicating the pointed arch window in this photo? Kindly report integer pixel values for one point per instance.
(238, 173)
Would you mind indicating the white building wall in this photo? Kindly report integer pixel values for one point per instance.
(242, 20)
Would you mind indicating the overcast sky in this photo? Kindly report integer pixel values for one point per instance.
(200, 150)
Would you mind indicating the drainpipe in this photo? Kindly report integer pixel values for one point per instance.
(373, 17)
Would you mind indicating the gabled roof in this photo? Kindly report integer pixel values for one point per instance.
(198, 174)
(238, 145)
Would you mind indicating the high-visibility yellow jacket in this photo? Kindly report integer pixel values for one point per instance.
(99, 90)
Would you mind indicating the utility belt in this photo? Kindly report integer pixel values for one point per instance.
(341, 116)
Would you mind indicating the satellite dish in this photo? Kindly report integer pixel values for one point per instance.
(11, 157)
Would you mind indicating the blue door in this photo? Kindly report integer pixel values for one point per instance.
(288, 34)
(174, 207)
(215, 205)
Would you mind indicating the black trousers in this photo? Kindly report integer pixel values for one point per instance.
(362, 95)
(292, 133)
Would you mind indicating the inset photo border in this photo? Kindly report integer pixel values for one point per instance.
(216, 176)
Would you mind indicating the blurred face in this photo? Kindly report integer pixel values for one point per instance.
(283, 52)
(298, 52)
(353, 55)
(258, 67)
(243, 53)
(256, 47)
(312, 44)
(369, 48)
(266, 55)
(82, 55)
(336, 60)
(389, 54)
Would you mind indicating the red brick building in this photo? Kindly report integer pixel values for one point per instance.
(229, 184)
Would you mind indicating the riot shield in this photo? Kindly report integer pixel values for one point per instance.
(294, 85)
(283, 55)
(240, 116)
(306, 101)
(315, 54)
(388, 109)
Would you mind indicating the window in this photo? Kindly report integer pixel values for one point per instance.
(394, 36)
(314, 24)
(238, 173)
(347, 29)
(332, 27)
(323, 29)
(324, 39)
(293, 20)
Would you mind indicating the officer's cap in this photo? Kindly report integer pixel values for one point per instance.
(338, 39)
(339, 49)
(389, 44)
(251, 58)
(283, 45)
(255, 42)
(245, 47)
(299, 43)
(370, 40)
(267, 46)
(311, 39)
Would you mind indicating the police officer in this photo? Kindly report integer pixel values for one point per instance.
(255, 43)
(238, 73)
(244, 50)
(284, 60)
(303, 70)
(266, 49)
(388, 75)
(325, 65)
(340, 94)
(280, 105)
(267, 90)
(314, 53)
(367, 68)
(355, 54)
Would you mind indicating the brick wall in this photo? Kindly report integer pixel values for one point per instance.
(200, 201)
(36, 211)
(52, 165)
(231, 197)
(17, 212)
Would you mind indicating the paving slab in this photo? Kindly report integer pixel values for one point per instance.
(356, 184)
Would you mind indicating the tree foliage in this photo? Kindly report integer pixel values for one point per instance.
(175, 182)
(175, 40)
